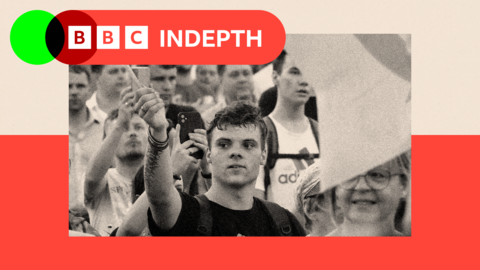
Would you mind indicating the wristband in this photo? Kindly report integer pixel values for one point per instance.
(155, 144)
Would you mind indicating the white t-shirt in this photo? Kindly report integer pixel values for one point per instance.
(81, 147)
(95, 109)
(283, 177)
(108, 209)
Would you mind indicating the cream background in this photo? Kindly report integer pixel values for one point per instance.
(445, 50)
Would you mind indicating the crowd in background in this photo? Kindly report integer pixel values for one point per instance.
(130, 174)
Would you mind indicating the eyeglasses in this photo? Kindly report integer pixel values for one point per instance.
(323, 202)
(376, 180)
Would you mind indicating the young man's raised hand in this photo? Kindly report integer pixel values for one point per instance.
(150, 107)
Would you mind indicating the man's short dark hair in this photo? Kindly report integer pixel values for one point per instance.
(238, 114)
(278, 63)
(221, 70)
(79, 69)
(97, 68)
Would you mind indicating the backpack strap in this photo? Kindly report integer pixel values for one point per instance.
(205, 221)
(314, 125)
(297, 156)
(272, 150)
(272, 142)
(279, 216)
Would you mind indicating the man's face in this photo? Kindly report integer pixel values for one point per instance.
(133, 144)
(164, 82)
(235, 155)
(207, 75)
(235, 79)
(78, 91)
(291, 84)
(114, 78)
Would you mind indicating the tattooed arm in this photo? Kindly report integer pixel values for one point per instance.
(164, 200)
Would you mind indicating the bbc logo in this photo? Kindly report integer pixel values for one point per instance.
(108, 37)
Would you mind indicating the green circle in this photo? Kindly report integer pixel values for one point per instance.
(27, 37)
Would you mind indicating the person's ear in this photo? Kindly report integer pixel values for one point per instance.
(209, 160)
(263, 158)
(275, 78)
(310, 208)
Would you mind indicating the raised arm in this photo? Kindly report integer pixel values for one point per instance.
(103, 158)
(136, 219)
(164, 199)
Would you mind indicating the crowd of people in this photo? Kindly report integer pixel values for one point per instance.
(130, 174)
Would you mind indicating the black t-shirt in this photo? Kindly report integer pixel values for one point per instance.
(226, 222)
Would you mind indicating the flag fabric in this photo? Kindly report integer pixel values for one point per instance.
(363, 85)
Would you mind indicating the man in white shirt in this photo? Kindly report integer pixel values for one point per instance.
(109, 191)
(112, 79)
(236, 84)
(294, 133)
(85, 136)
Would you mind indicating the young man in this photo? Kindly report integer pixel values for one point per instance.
(205, 86)
(236, 141)
(207, 80)
(295, 135)
(108, 191)
(112, 79)
(184, 92)
(268, 100)
(236, 84)
(85, 136)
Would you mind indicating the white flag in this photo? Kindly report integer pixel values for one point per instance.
(362, 83)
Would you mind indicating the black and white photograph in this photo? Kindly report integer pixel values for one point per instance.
(315, 143)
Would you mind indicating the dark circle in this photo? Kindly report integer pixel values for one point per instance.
(55, 37)
(72, 56)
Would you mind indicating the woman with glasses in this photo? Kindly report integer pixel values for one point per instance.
(313, 206)
(369, 202)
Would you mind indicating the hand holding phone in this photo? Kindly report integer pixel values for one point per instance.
(189, 121)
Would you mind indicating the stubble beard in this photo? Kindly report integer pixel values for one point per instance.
(131, 157)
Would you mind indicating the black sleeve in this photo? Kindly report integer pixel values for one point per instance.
(297, 229)
(187, 221)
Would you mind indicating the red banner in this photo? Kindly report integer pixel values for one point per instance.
(169, 37)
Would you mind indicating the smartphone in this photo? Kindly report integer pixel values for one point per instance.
(189, 121)
(143, 76)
